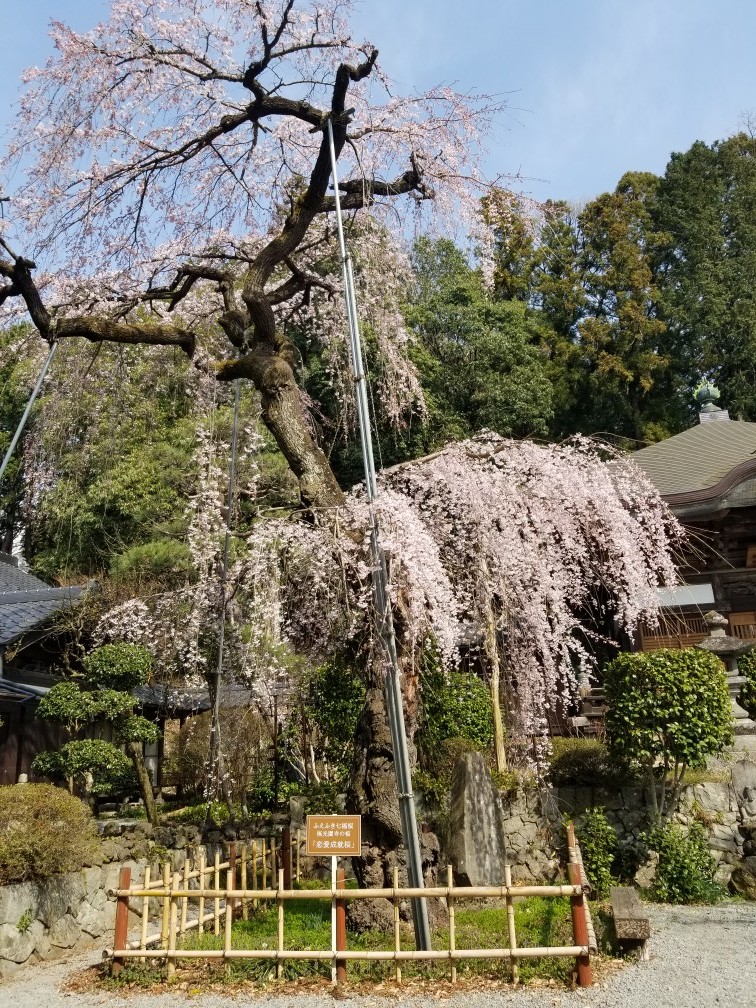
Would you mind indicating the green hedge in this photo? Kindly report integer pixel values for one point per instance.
(44, 830)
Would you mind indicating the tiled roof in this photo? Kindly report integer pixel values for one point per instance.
(178, 700)
(26, 602)
(698, 458)
(19, 692)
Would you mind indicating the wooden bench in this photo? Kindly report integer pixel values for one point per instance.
(631, 921)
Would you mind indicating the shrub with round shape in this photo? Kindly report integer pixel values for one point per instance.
(44, 830)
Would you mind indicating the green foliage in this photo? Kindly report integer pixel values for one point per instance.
(600, 847)
(67, 704)
(118, 666)
(113, 706)
(686, 869)
(706, 201)
(671, 703)
(670, 706)
(456, 705)
(43, 831)
(25, 921)
(152, 560)
(111, 769)
(491, 348)
(110, 672)
(21, 356)
(582, 761)
(138, 729)
(336, 696)
(121, 450)
(747, 666)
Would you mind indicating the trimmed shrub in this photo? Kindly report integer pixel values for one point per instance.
(599, 846)
(685, 873)
(44, 830)
(582, 761)
(667, 711)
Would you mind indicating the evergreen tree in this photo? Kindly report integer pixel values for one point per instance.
(707, 204)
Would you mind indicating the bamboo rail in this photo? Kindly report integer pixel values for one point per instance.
(199, 886)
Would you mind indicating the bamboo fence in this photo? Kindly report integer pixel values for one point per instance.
(184, 896)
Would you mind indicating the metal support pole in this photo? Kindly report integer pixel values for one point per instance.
(27, 411)
(381, 596)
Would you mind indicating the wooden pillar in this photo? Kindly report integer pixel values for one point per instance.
(121, 936)
(341, 929)
(231, 879)
(286, 856)
(580, 927)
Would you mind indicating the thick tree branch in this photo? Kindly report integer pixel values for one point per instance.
(96, 330)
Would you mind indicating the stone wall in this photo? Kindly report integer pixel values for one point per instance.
(727, 810)
(45, 920)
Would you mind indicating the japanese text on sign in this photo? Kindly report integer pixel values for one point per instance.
(333, 835)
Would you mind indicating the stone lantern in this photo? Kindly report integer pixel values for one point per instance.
(728, 649)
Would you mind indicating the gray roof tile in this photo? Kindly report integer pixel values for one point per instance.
(698, 458)
(26, 602)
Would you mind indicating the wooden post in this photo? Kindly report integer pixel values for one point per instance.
(511, 926)
(297, 852)
(145, 910)
(166, 920)
(230, 903)
(121, 936)
(172, 927)
(286, 856)
(397, 936)
(580, 927)
(229, 920)
(264, 865)
(570, 838)
(254, 870)
(184, 899)
(280, 943)
(452, 931)
(341, 929)
(201, 907)
(216, 886)
(244, 910)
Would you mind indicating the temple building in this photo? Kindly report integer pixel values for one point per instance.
(707, 475)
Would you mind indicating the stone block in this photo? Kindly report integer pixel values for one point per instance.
(8, 968)
(720, 831)
(65, 932)
(723, 874)
(98, 899)
(611, 799)
(512, 823)
(16, 900)
(478, 841)
(91, 920)
(60, 895)
(92, 879)
(42, 945)
(15, 945)
(743, 776)
(712, 797)
(727, 846)
(743, 879)
(646, 874)
(50, 952)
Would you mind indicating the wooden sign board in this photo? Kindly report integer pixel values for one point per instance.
(334, 835)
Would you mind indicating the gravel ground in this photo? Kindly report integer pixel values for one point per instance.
(700, 957)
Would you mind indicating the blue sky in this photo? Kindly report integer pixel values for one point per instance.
(596, 87)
